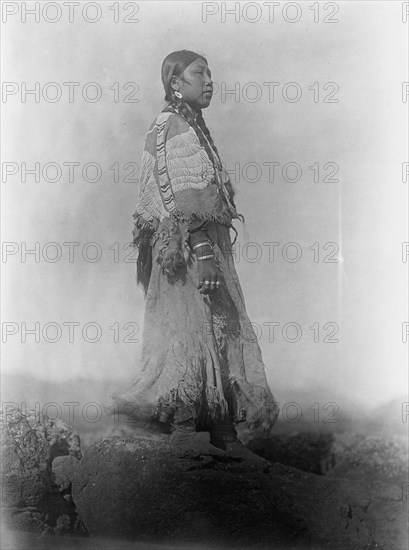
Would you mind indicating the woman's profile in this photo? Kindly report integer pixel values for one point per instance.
(201, 368)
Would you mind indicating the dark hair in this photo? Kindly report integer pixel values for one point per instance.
(174, 65)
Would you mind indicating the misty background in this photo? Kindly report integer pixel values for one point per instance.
(363, 296)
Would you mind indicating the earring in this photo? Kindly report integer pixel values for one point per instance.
(178, 95)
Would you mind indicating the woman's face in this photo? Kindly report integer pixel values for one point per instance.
(195, 84)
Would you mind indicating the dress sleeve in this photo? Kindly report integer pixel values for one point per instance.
(198, 232)
(189, 192)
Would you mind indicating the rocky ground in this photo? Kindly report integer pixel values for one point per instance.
(321, 489)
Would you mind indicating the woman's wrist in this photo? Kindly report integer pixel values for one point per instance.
(203, 250)
(202, 247)
(198, 236)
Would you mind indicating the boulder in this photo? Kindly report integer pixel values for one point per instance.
(63, 468)
(307, 451)
(357, 455)
(31, 499)
(142, 489)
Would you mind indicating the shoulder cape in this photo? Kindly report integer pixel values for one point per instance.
(180, 187)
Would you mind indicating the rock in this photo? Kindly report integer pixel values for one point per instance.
(305, 451)
(376, 458)
(30, 497)
(139, 488)
(378, 466)
(374, 469)
(63, 468)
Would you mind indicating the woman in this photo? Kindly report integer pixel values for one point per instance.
(201, 367)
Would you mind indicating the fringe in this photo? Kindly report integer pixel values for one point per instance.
(214, 404)
(171, 261)
(145, 235)
(224, 218)
(185, 383)
(255, 406)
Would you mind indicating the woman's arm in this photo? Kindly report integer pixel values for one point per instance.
(206, 266)
(188, 189)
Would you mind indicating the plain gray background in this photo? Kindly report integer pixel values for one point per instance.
(365, 212)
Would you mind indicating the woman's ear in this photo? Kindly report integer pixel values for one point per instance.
(174, 84)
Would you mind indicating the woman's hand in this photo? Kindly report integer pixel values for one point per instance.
(208, 275)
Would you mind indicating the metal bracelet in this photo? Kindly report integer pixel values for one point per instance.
(207, 257)
(203, 243)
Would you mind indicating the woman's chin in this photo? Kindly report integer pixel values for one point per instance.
(205, 103)
(202, 104)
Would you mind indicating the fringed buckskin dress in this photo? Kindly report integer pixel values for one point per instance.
(198, 351)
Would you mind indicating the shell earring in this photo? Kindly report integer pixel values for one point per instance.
(178, 95)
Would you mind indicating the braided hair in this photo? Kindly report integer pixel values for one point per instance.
(174, 65)
(179, 106)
